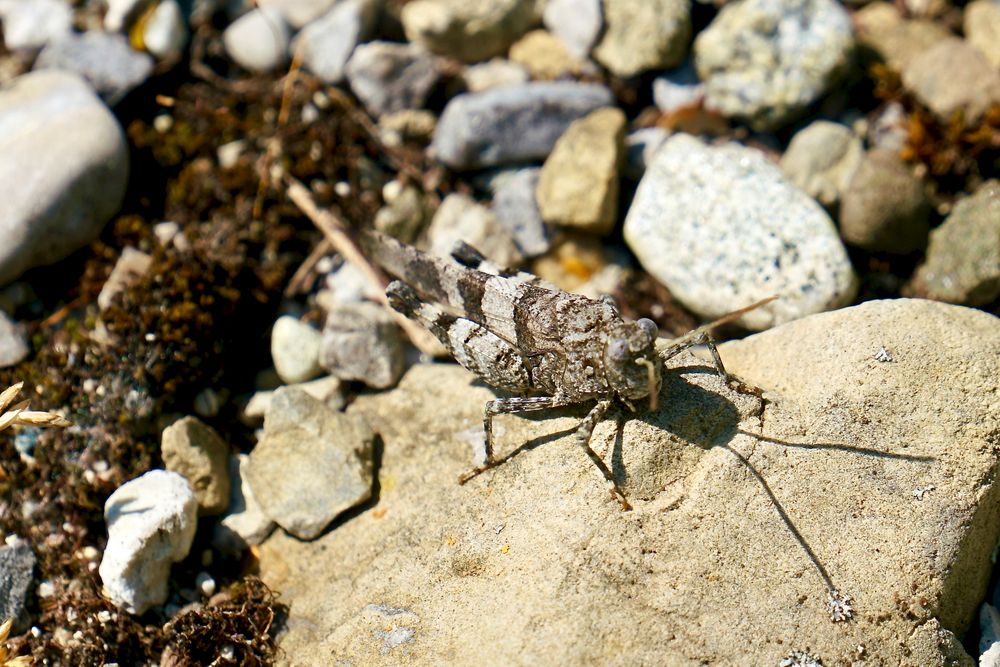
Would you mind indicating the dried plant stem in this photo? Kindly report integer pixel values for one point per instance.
(336, 232)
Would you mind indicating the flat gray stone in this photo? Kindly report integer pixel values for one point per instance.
(704, 569)
(953, 77)
(361, 341)
(885, 208)
(193, 449)
(822, 159)
(63, 169)
(328, 390)
(511, 124)
(722, 228)
(963, 258)
(577, 23)
(17, 572)
(106, 61)
(469, 30)
(151, 524)
(258, 40)
(327, 43)
(764, 61)
(643, 35)
(311, 464)
(390, 77)
(13, 343)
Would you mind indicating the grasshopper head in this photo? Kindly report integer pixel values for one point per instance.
(632, 366)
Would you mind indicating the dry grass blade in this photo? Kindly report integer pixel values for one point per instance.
(335, 231)
(38, 418)
(8, 396)
(20, 414)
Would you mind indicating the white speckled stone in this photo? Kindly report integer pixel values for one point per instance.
(721, 227)
(151, 524)
(765, 60)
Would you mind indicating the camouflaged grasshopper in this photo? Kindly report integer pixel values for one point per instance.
(549, 347)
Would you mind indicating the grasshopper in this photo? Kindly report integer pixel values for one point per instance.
(549, 347)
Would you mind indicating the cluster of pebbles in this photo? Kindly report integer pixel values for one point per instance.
(532, 106)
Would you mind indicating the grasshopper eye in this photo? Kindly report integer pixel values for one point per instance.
(648, 327)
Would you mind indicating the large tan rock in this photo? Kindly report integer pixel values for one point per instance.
(885, 468)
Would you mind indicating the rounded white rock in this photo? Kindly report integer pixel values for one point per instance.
(295, 350)
(722, 228)
(258, 40)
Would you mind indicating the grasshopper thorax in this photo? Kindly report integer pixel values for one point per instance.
(632, 367)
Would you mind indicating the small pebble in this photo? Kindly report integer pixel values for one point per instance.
(245, 524)
(461, 218)
(327, 43)
(577, 23)
(17, 567)
(295, 350)
(106, 61)
(492, 74)
(678, 89)
(130, 268)
(193, 449)
(884, 207)
(258, 40)
(361, 341)
(165, 32)
(205, 584)
(298, 13)
(13, 343)
(953, 77)
(981, 22)
(469, 30)
(963, 257)
(643, 35)
(822, 158)
(390, 77)
(311, 463)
